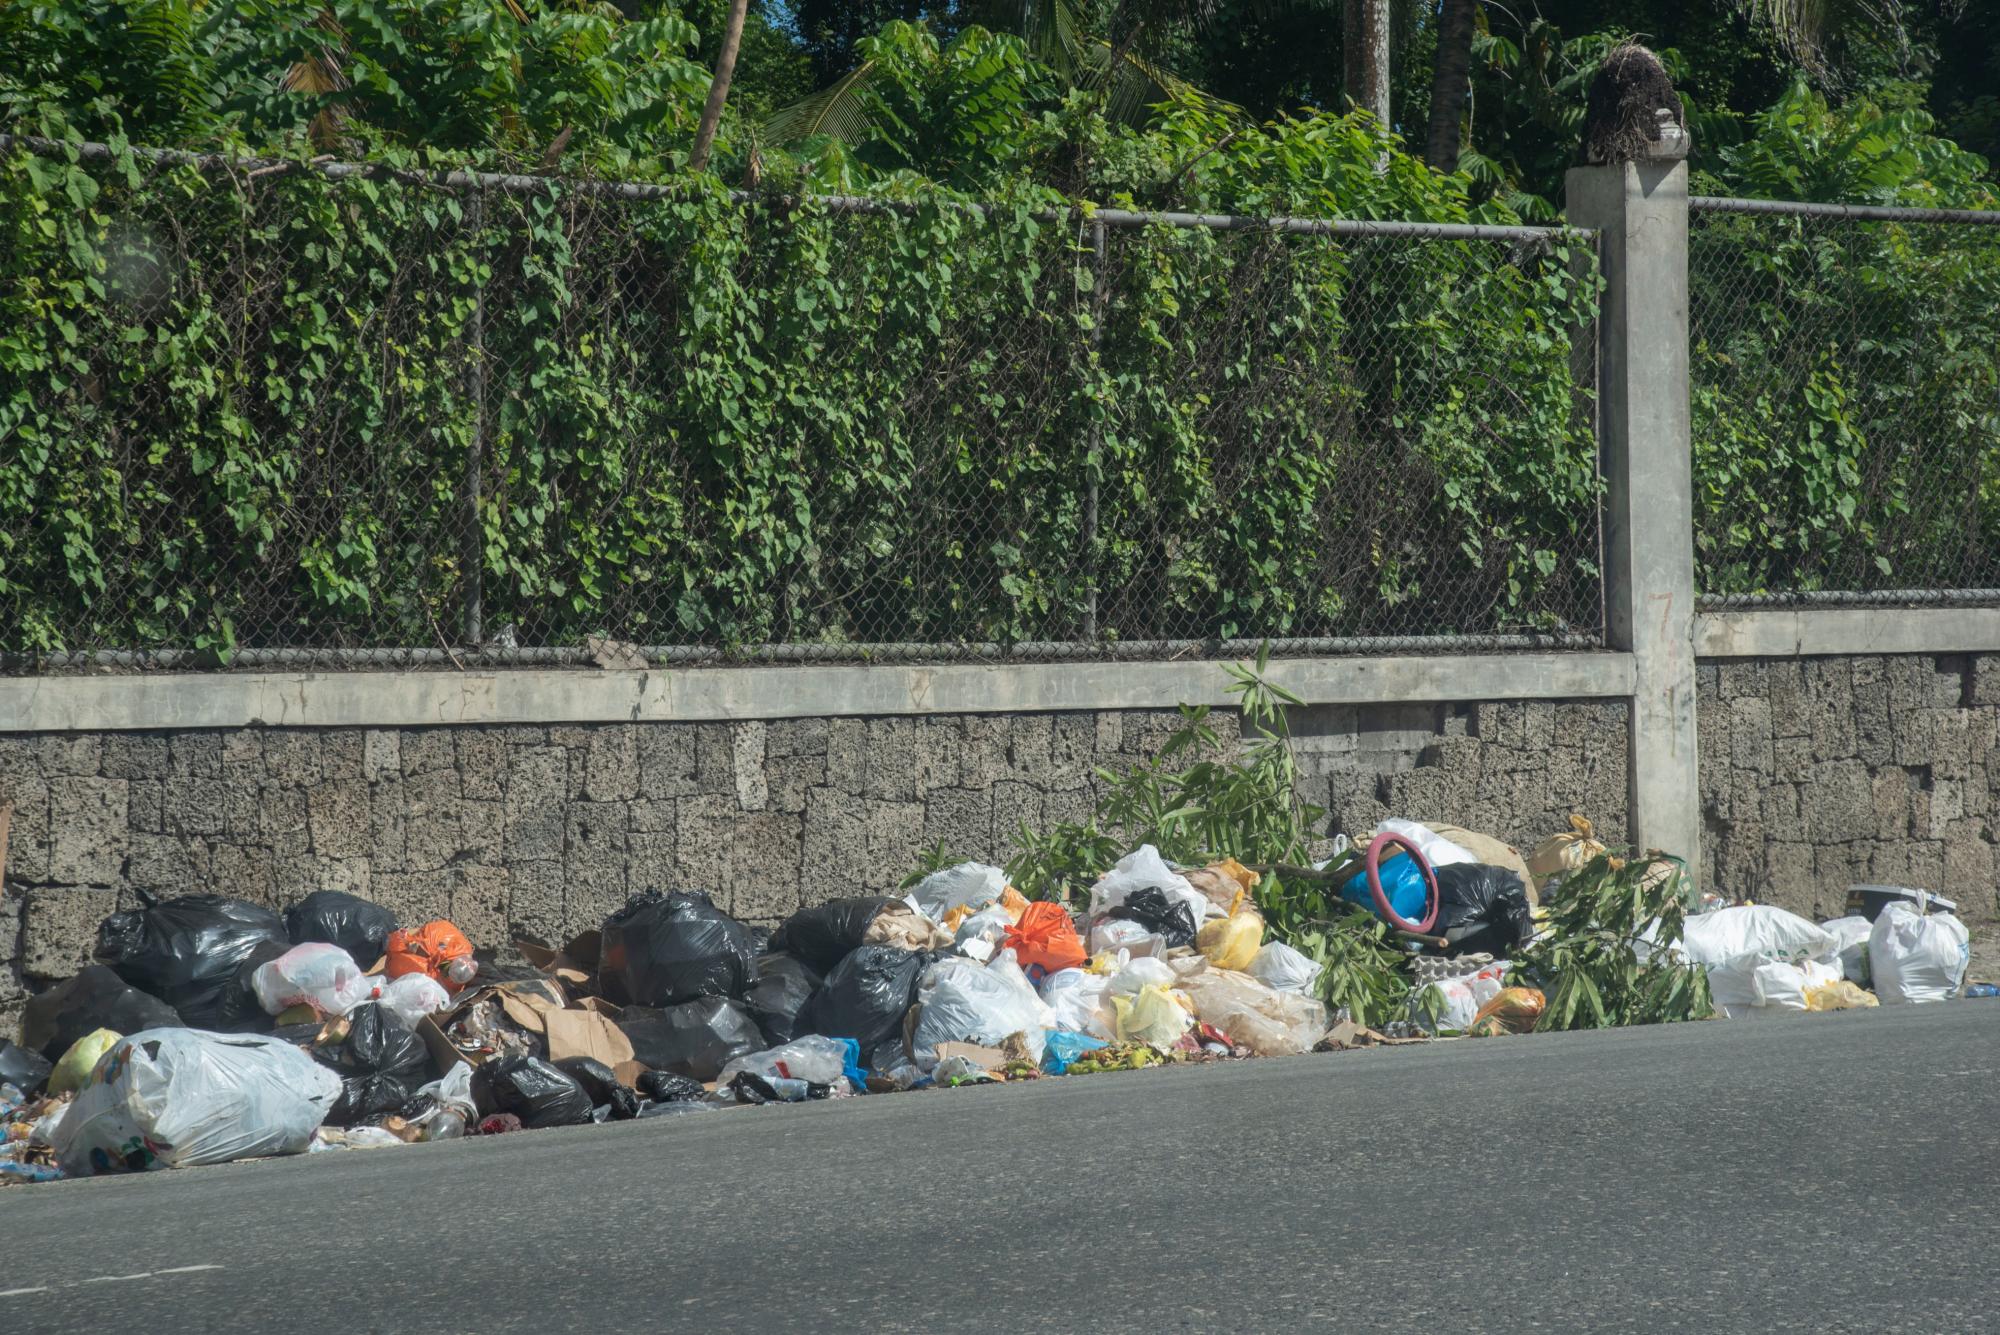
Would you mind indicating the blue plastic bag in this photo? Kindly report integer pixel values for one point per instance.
(1402, 883)
(850, 1060)
(1065, 1046)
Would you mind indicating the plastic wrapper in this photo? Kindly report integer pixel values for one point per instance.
(96, 998)
(531, 1089)
(969, 884)
(696, 1038)
(190, 952)
(315, 974)
(1076, 1001)
(358, 926)
(1045, 939)
(600, 1083)
(814, 1058)
(1232, 942)
(965, 1002)
(1143, 868)
(866, 996)
(674, 948)
(1278, 965)
(169, 1098)
(1268, 1022)
(784, 985)
(823, 935)
(1172, 920)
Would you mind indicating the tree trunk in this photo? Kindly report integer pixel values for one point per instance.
(1450, 85)
(718, 88)
(1365, 52)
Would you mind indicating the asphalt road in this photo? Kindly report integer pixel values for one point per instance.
(1813, 1173)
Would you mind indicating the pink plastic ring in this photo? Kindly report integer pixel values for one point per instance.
(1382, 905)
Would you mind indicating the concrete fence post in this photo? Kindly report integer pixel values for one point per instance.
(1640, 210)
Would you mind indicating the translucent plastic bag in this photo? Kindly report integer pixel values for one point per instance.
(315, 974)
(1124, 934)
(169, 1098)
(1278, 965)
(814, 1058)
(1077, 1000)
(1268, 1022)
(72, 1072)
(963, 1002)
(968, 883)
(1142, 972)
(1852, 933)
(1141, 869)
(1437, 850)
(413, 996)
(1149, 1015)
(1232, 942)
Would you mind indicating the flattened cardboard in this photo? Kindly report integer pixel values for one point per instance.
(985, 1058)
(582, 1033)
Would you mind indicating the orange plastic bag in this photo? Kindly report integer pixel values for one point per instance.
(1046, 936)
(437, 948)
(1513, 1010)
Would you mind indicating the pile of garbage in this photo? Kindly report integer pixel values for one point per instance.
(210, 1029)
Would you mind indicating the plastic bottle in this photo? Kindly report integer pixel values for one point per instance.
(447, 1125)
(1982, 990)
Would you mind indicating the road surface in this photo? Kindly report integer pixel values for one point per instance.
(1816, 1173)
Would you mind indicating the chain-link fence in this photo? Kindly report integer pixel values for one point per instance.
(260, 414)
(1845, 369)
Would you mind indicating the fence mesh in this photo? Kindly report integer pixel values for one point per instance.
(1846, 399)
(259, 416)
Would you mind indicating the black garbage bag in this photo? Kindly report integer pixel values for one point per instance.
(188, 953)
(825, 934)
(784, 985)
(95, 999)
(24, 1070)
(602, 1086)
(760, 937)
(666, 1087)
(532, 1090)
(377, 1042)
(667, 949)
(1152, 910)
(1483, 908)
(366, 1097)
(866, 996)
(696, 1038)
(358, 926)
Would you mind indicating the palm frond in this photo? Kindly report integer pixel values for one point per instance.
(838, 110)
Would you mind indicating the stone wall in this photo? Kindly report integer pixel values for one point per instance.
(538, 832)
(1820, 772)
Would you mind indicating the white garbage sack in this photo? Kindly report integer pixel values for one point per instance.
(1755, 929)
(965, 1002)
(1916, 956)
(1852, 933)
(1268, 1022)
(1137, 870)
(314, 974)
(812, 1058)
(1756, 986)
(1437, 850)
(413, 996)
(170, 1098)
(1076, 998)
(973, 883)
(1278, 965)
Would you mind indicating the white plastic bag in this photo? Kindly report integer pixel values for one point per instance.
(1754, 929)
(413, 996)
(453, 1088)
(1140, 972)
(1437, 850)
(1126, 935)
(972, 883)
(811, 1057)
(1139, 869)
(963, 1002)
(168, 1098)
(1915, 956)
(1750, 986)
(1852, 933)
(315, 974)
(981, 933)
(1457, 999)
(1076, 999)
(1278, 965)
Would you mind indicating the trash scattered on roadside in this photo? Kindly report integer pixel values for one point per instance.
(212, 1029)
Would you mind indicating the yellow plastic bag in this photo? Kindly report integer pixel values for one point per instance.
(73, 1071)
(1560, 854)
(1840, 996)
(1232, 942)
(1150, 1015)
(1513, 1010)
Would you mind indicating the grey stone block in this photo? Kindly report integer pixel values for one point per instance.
(715, 759)
(1839, 802)
(651, 817)
(666, 759)
(342, 752)
(889, 770)
(59, 929)
(611, 764)
(796, 737)
(482, 903)
(747, 757)
(338, 814)
(281, 822)
(90, 830)
(535, 910)
(427, 751)
(482, 832)
(292, 757)
(433, 831)
(388, 831)
(381, 754)
(835, 841)
(195, 754)
(135, 755)
(243, 757)
(69, 755)
(482, 763)
(167, 867)
(846, 757)
(145, 805)
(1750, 733)
(962, 820)
(594, 854)
(537, 792)
(766, 869)
(246, 873)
